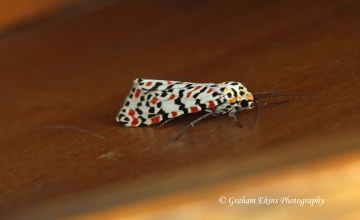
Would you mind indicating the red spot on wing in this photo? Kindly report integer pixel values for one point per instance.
(155, 119)
(169, 82)
(198, 87)
(148, 83)
(154, 100)
(137, 93)
(174, 114)
(189, 93)
(194, 109)
(172, 96)
(210, 90)
(135, 121)
(211, 104)
(131, 112)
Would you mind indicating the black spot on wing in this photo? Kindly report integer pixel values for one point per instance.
(215, 94)
(139, 111)
(142, 122)
(178, 102)
(163, 114)
(151, 115)
(140, 81)
(152, 110)
(201, 105)
(157, 84)
(219, 101)
(170, 86)
(201, 91)
(234, 91)
(163, 94)
(123, 120)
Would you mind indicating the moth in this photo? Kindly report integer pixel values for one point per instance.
(154, 101)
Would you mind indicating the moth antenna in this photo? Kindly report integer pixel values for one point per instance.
(271, 103)
(265, 93)
(272, 95)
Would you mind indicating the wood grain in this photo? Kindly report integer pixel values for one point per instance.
(16, 15)
(63, 82)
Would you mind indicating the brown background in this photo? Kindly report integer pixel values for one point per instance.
(64, 78)
(21, 13)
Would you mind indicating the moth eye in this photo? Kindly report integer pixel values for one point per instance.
(242, 93)
(244, 103)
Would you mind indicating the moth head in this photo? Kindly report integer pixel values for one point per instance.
(238, 95)
(246, 99)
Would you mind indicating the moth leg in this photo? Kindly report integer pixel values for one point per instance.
(193, 123)
(162, 124)
(237, 120)
(233, 114)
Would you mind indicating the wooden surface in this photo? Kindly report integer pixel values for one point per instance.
(62, 83)
(17, 14)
